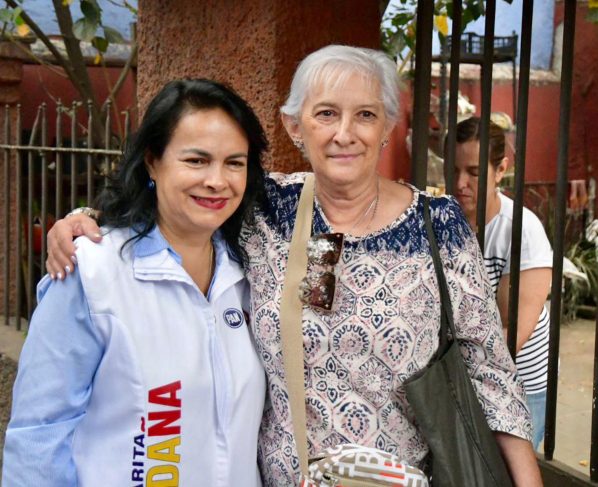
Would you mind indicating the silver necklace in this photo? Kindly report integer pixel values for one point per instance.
(373, 205)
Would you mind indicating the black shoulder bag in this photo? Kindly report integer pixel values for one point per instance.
(463, 449)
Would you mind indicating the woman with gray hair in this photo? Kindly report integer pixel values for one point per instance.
(371, 321)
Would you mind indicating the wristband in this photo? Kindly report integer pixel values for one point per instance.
(87, 211)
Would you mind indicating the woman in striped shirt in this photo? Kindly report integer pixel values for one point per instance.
(535, 266)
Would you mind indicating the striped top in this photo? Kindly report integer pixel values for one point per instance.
(532, 359)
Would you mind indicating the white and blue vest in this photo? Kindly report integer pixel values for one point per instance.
(178, 396)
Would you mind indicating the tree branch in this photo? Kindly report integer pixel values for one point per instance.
(122, 77)
(60, 59)
(80, 75)
(382, 6)
(73, 48)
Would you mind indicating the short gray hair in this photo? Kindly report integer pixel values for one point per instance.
(339, 62)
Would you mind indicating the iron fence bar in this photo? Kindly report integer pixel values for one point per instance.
(593, 447)
(127, 128)
(58, 161)
(107, 141)
(520, 148)
(442, 92)
(6, 215)
(421, 98)
(89, 157)
(485, 117)
(450, 150)
(559, 228)
(18, 217)
(514, 81)
(44, 206)
(30, 189)
(69, 150)
(73, 152)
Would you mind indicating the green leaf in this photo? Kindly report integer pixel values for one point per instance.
(466, 18)
(592, 15)
(401, 20)
(113, 36)
(6, 15)
(91, 11)
(84, 30)
(16, 13)
(100, 44)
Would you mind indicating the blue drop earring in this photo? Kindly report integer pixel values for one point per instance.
(151, 184)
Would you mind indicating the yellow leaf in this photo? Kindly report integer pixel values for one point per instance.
(411, 30)
(23, 30)
(66, 3)
(441, 23)
(593, 3)
(98, 59)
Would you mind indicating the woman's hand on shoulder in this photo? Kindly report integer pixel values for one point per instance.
(61, 249)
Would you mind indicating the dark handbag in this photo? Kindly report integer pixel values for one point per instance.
(463, 450)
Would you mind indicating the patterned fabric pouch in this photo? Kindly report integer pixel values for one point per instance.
(353, 465)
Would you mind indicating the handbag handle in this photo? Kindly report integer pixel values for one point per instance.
(446, 308)
(291, 322)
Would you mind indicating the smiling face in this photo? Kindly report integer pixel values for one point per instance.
(202, 174)
(342, 126)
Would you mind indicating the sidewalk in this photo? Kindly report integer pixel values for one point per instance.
(11, 342)
(574, 403)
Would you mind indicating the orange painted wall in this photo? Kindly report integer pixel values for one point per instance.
(583, 141)
(542, 143)
(255, 49)
(542, 123)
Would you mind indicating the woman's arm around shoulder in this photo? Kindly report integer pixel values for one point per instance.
(61, 249)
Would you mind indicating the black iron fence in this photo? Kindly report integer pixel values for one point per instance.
(45, 176)
(554, 473)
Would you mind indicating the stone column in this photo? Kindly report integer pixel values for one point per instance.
(254, 46)
(12, 57)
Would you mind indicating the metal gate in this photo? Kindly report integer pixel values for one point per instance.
(42, 182)
(554, 473)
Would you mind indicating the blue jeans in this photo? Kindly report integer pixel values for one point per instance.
(537, 406)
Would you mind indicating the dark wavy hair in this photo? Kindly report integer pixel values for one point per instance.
(128, 202)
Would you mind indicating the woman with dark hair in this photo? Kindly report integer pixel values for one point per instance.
(536, 259)
(158, 382)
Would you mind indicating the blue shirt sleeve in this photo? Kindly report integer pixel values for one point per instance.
(52, 389)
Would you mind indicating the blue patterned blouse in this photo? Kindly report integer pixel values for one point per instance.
(383, 329)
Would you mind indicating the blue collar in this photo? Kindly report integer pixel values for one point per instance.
(153, 243)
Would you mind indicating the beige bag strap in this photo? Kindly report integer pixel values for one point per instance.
(291, 321)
